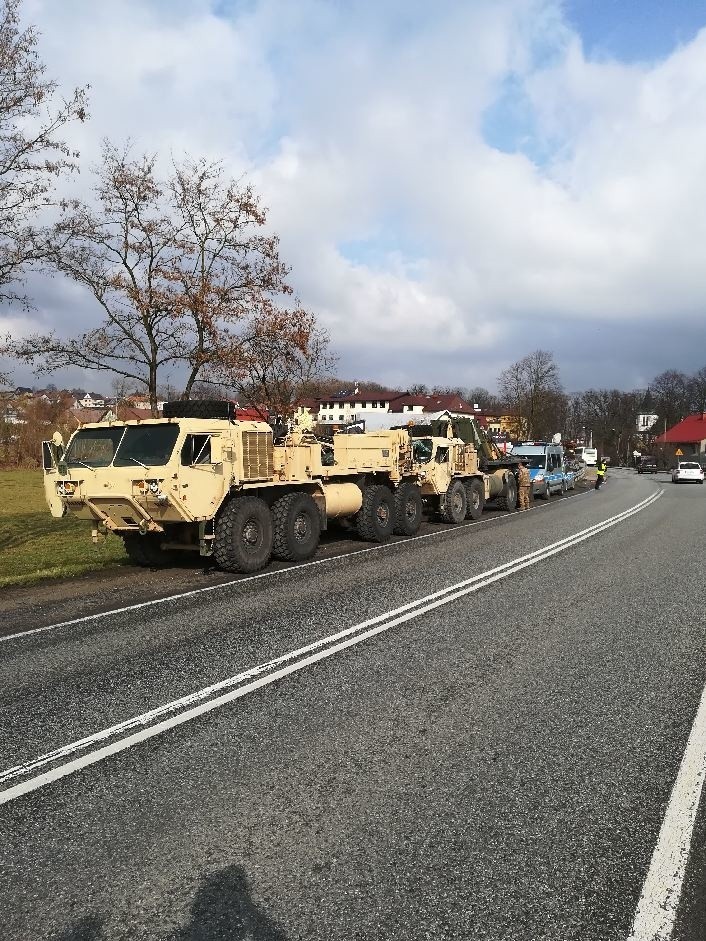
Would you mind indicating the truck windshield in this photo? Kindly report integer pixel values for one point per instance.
(93, 447)
(422, 449)
(149, 445)
(535, 461)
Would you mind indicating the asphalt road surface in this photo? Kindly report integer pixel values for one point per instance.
(493, 731)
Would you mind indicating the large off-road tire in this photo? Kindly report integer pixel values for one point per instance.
(198, 408)
(375, 520)
(508, 500)
(454, 503)
(243, 537)
(475, 500)
(146, 551)
(297, 527)
(408, 510)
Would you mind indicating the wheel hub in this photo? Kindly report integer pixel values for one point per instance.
(301, 527)
(251, 533)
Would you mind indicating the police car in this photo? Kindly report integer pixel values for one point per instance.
(546, 466)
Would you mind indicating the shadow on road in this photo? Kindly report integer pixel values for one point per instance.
(223, 909)
(89, 928)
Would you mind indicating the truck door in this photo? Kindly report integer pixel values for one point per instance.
(202, 480)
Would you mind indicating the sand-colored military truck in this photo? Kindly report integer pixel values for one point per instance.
(201, 480)
(452, 484)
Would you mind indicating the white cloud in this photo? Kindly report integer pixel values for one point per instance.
(362, 125)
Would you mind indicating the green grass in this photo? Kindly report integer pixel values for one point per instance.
(34, 545)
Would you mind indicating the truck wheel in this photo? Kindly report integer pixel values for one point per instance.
(454, 504)
(508, 501)
(375, 519)
(408, 510)
(475, 500)
(243, 538)
(146, 551)
(297, 527)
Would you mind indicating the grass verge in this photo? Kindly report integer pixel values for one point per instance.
(34, 545)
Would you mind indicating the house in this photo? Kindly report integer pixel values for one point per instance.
(688, 436)
(345, 407)
(141, 401)
(83, 399)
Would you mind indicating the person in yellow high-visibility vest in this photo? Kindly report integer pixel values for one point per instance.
(601, 468)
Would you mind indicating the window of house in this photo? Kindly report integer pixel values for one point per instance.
(341, 418)
(375, 404)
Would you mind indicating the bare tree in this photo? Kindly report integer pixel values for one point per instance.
(671, 396)
(609, 416)
(488, 401)
(532, 392)
(697, 391)
(32, 155)
(183, 272)
(282, 368)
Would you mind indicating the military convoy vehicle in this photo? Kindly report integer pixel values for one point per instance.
(201, 479)
(459, 455)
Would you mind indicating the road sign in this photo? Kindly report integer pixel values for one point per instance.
(679, 452)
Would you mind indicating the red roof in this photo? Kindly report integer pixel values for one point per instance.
(434, 403)
(689, 431)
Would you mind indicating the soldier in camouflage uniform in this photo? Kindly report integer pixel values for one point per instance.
(524, 483)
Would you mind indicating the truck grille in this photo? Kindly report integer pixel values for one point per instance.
(257, 455)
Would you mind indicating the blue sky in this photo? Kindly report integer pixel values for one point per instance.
(635, 30)
(455, 184)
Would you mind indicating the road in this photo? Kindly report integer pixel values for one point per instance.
(471, 735)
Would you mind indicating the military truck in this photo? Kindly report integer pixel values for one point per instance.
(205, 480)
(456, 455)
(200, 479)
(453, 486)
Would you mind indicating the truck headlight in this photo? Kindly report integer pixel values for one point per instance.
(66, 488)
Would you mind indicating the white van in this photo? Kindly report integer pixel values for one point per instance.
(589, 456)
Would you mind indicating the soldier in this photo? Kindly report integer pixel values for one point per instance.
(523, 485)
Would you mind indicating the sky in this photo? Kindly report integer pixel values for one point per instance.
(455, 184)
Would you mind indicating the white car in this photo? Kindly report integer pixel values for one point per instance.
(688, 472)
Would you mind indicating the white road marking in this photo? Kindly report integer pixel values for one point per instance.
(203, 700)
(260, 575)
(657, 908)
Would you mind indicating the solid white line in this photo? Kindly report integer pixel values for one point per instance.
(260, 575)
(335, 642)
(208, 691)
(657, 908)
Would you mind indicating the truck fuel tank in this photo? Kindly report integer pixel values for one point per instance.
(342, 499)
